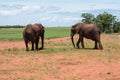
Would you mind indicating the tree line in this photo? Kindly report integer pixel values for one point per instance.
(14, 26)
(107, 22)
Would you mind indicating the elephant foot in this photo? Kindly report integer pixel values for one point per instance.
(32, 49)
(74, 47)
(83, 47)
(101, 48)
(78, 47)
(40, 48)
(27, 49)
(95, 48)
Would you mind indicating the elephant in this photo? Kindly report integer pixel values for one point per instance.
(89, 31)
(32, 33)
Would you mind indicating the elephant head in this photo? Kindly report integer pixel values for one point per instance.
(75, 29)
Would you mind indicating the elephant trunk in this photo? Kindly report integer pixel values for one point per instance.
(72, 35)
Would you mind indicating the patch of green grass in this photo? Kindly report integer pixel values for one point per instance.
(32, 78)
(17, 33)
(56, 32)
(11, 34)
(12, 49)
(49, 69)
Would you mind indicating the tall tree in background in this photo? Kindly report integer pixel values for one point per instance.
(105, 22)
(116, 27)
(88, 18)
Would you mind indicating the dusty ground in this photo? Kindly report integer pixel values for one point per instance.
(21, 44)
(60, 66)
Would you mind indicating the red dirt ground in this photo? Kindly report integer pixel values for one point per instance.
(21, 44)
(55, 66)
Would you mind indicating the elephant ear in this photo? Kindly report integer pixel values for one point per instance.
(79, 27)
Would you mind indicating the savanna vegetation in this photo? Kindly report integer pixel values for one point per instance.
(59, 60)
(107, 22)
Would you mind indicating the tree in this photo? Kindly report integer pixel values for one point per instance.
(88, 18)
(105, 22)
(116, 27)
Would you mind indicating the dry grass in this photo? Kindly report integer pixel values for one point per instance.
(60, 61)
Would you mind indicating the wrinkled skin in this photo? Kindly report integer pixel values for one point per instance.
(32, 33)
(89, 31)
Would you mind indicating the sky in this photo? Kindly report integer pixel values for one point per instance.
(49, 12)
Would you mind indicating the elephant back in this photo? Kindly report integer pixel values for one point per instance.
(28, 28)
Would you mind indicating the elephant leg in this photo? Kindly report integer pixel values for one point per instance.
(32, 46)
(82, 43)
(26, 44)
(100, 45)
(36, 43)
(42, 41)
(78, 42)
(96, 46)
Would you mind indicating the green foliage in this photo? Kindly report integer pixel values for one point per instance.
(107, 22)
(116, 27)
(88, 18)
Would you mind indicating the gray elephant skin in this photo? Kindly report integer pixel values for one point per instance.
(89, 31)
(32, 33)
